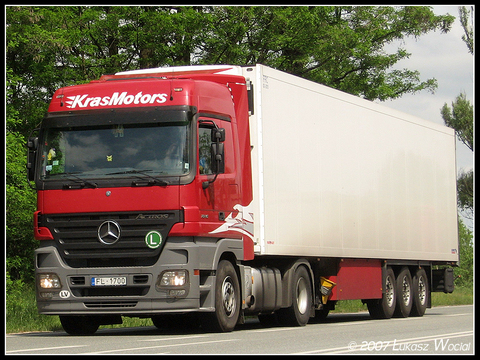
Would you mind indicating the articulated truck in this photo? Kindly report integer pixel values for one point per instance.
(218, 192)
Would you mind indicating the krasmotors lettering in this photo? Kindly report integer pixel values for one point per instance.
(116, 99)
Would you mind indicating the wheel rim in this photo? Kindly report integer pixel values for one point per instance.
(422, 291)
(302, 295)
(228, 292)
(406, 291)
(389, 291)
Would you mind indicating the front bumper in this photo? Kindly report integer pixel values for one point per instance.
(140, 292)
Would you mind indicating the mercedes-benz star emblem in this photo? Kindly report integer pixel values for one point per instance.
(109, 232)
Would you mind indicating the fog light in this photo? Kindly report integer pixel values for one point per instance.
(49, 281)
(46, 295)
(177, 293)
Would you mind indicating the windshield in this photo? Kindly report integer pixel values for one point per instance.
(116, 150)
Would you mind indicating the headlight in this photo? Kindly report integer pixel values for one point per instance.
(172, 278)
(174, 282)
(49, 281)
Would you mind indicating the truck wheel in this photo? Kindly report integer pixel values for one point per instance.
(79, 325)
(385, 307)
(404, 293)
(299, 313)
(227, 300)
(420, 293)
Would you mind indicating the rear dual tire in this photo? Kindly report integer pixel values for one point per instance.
(298, 313)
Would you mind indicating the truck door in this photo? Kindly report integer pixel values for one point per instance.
(219, 192)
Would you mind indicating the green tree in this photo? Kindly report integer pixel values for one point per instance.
(465, 193)
(21, 201)
(460, 118)
(339, 46)
(465, 270)
(20, 198)
(467, 27)
(48, 47)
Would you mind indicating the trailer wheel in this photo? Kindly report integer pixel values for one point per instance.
(404, 293)
(227, 300)
(385, 307)
(420, 293)
(79, 325)
(299, 313)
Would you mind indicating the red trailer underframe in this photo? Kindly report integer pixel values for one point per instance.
(357, 279)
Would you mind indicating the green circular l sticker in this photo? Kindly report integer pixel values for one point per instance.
(153, 239)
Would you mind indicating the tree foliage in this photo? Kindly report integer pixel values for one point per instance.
(19, 197)
(465, 270)
(52, 46)
(467, 26)
(465, 193)
(339, 46)
(460, 118)
(20, 201)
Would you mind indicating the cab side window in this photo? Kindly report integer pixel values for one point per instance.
(205, 149)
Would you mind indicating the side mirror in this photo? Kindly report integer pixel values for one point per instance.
(32, 145)
(218, 159)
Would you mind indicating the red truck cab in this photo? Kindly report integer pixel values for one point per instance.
(137, 176)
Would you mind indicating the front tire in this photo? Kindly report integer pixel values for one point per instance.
(227, 300)
(80, 325)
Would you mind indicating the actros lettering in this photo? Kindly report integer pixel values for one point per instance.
(116, 99)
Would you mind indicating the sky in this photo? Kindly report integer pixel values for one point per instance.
(444, 57)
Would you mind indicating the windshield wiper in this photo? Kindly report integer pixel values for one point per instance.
(151, 179)
(133, 171)
(81, 183)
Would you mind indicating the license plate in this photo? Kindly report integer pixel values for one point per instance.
(109, 281)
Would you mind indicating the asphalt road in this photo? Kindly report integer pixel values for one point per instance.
(442, 330)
